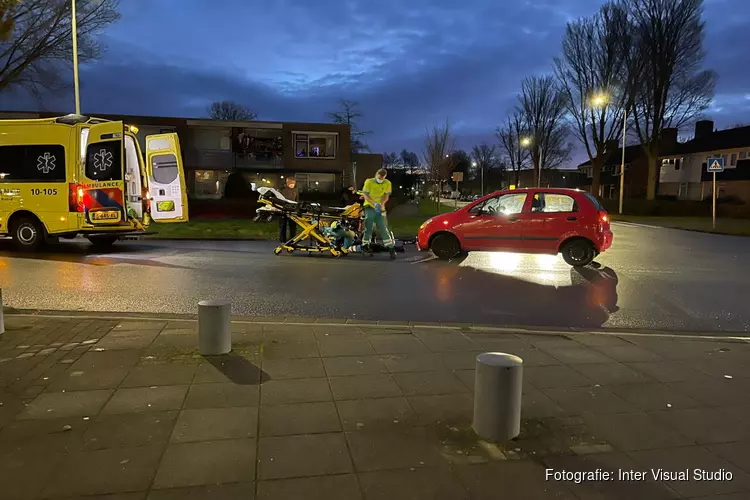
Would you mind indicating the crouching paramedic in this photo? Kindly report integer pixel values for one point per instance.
(377, 191)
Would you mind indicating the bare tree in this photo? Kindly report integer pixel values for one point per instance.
(7, 21)
(439, 144)
(230, 111)
(510, 136)
(486, 158)
(390, 160)
(665, 75)
(350, 115)
(409, 160)
(37, 46)
(590, 74)
(542, 105)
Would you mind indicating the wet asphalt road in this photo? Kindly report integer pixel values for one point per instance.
(651, 278)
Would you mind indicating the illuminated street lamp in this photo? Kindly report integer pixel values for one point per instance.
(599, 101)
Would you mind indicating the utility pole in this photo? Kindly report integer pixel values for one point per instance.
(74, 28)
(622, 165)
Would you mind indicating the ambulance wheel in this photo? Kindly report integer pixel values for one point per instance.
(103, 241)
(277, 250)
(28, 234)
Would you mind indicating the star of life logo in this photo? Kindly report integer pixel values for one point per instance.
(102, 160)
(46, 163)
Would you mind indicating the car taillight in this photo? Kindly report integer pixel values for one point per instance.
(75, 198)
(603, 220)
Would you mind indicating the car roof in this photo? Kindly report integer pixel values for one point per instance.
(569, 191)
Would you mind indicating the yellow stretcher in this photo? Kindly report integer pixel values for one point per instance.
(312, 219)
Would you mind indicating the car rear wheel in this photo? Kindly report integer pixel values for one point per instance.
(578, 253)
(27, 233)
(103, 241)
(445, 246)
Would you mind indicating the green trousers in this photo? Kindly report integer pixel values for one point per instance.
(374, 218)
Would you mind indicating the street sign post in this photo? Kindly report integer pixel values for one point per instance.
(714, 165)
(457, 177)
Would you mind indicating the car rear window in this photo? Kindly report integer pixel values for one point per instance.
(593, 200)
(552, 203)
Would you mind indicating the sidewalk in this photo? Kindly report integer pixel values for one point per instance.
(128, 410)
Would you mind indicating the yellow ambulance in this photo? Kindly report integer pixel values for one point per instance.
(77, 175)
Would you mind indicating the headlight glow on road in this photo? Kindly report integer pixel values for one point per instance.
(504, 261)
(546, 262)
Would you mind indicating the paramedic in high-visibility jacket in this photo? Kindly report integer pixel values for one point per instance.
(377, 191)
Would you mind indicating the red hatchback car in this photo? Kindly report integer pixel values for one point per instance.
(547, 221)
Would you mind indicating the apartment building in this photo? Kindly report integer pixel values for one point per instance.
(219, 155)
(683, 171)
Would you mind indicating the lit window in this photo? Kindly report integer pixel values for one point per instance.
(209, 184)
(315, 145)
(318, 183)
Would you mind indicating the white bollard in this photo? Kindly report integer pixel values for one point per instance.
(497, 396)
(2, 319)
(214, 327)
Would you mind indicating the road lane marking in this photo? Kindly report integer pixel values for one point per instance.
(637, 224)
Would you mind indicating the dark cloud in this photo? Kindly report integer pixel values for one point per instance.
(409, 64)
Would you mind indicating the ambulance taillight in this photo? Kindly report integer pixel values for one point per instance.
(75, 198)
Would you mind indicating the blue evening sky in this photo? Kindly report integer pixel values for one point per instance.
(408, 63)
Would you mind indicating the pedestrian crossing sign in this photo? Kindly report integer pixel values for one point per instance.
(715, 164)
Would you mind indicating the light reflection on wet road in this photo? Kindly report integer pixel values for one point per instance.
(651, 278)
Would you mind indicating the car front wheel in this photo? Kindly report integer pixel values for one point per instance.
(578, 253)
(445, 246)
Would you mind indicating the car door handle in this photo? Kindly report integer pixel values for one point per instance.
(572, 218)
(512, 219)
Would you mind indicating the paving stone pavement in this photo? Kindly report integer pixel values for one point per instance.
(126, 409)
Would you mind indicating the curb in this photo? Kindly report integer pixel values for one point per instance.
(337, 322)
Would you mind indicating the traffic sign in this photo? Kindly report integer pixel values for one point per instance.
(458, 176)
(715, 164)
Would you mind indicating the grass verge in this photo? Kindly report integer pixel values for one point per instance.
(405, 225)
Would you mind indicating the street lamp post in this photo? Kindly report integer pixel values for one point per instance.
(600, 101)
(481, 176)
(527, 142)
(74, 28)
(622, 165)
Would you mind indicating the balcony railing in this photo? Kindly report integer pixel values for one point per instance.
(205, 158)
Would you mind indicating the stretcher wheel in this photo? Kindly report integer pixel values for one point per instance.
(277, 250)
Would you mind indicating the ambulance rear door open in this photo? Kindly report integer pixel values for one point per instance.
(103, 183)
(166, 179)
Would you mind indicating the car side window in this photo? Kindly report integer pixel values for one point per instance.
(555, 203)
(507, 204)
